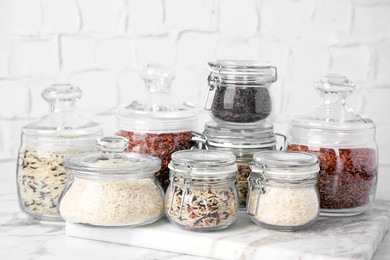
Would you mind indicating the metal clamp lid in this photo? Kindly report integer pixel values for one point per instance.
(261, 186)
(187, 183)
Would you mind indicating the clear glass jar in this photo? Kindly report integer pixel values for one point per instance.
(239, 91)
(158, 124)
(202, 195)
(282, 190)
(243, 141)
(344, 143)
(41, 176)
(112, 187)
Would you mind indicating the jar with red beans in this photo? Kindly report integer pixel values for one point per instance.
(345, 145)
(239, 91)
(158, 124)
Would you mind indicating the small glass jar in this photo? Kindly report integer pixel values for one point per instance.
(112, 187)
(41, 176)
(239, 91)
(202, 195)
(345, 145)
(282, 190)
(158, 124)
(243, 141)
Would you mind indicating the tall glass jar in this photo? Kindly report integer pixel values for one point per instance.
(41, 176)
(243, 141)
(239, 91)
(344, 143)
(282, 190)
(158, 124)
(112, 188)
(202, 195)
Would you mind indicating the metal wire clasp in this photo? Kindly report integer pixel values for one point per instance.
(214, 83)
(284, 147)
(201, 141)
(186, 182)
(275, 75)
(258, 184)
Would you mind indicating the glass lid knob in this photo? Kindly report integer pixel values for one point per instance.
(112, 144)
(61, 92)
(155, 71)
(335, 83)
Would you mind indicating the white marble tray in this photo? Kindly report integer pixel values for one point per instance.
(330, 238)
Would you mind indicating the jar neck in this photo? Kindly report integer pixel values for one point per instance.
(157, 86)
(333, 102)
(181, 181)
(61, 106)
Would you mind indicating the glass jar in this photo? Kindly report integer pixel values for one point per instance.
(112, 187)
(41, 176)
(158, 124)
(239, 91)
(202, 195)
(344, 143)
(282, 190)
(243, 141)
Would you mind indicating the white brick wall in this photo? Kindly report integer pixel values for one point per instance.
(101, 44)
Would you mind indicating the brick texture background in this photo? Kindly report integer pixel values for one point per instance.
(100, 45)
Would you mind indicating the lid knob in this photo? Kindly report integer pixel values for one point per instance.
(155, 71)
(335, 83)
(112, 144)
(61, 92)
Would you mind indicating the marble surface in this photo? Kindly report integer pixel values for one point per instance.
(24, 238)
(342, 238)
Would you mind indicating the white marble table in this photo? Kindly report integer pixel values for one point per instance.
(24, 238)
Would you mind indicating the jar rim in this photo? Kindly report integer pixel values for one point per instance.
(115, 165)
(203, 164)
(285, 166)
(242, 72)
(260, 135)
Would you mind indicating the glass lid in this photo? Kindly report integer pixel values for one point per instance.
(204, 163)
(331, 113)
(285, 164)
(158, 110)
(112, 161)
(239, 136)
(243, 71)
(62, 119)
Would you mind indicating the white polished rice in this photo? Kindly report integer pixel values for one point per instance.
(112, 203)
(284, 206)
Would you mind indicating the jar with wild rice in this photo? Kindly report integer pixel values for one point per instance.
(345, 145)
(201, 195)
(243, 141)
(112, 188)
(158, 123)
(41, 176)
(282, 190)
(239, 91)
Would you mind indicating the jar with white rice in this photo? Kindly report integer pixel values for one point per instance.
(282, 190)
(112, 187)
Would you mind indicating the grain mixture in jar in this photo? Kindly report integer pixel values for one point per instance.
(242, 175)
(203, 206)
(41, 180)
(201, 195)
